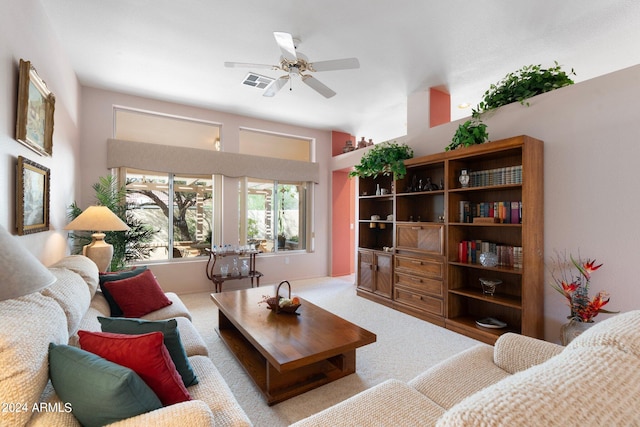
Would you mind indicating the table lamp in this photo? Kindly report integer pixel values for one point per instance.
(98, 219)
(22, 273)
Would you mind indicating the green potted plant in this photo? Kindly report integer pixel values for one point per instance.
(469, 133)
(386, 158)
(127, 246)
(518, 86)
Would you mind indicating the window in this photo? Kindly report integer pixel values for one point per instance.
(273, 217)
(273, 214)
(274, 209)
(179, 207)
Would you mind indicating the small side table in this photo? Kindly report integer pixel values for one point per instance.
(219, 279)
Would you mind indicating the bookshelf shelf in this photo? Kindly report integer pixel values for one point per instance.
(497, 298)
(466, 325)
(501, 269)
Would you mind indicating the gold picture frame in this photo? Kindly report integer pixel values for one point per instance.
(36, 105)
(32, 197)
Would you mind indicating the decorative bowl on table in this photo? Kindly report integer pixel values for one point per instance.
(280, 304)
(489, 285)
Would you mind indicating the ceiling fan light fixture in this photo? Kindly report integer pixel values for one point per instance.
(294, 64)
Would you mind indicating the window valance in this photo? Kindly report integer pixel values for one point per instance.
(184, 160)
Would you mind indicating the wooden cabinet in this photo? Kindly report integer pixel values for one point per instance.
(420, 238)
(439, 229)
(375, 270)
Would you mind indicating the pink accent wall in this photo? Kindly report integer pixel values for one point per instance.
(338, 139)
(440, 107)
(342, 228)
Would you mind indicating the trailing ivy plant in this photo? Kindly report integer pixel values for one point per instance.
(528, 81)
(469, 133)
(518, 86)
(386, 158)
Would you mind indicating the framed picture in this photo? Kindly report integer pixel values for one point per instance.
(36, 104)
(32, 197)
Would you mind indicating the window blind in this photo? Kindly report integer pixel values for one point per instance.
(185, 160)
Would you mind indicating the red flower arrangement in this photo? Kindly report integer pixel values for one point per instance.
(575, 288)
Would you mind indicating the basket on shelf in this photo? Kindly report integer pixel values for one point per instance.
(274, 305)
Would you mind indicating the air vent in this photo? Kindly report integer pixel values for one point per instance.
(256, 80)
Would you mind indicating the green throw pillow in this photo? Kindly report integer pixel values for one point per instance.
(99, 392)
(121, 325)
(117, 275)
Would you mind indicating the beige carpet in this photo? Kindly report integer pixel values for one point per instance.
(405, 347)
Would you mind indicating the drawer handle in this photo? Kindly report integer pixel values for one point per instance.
(417, 297)
(416, 279)
(416, 228)
(416, 262)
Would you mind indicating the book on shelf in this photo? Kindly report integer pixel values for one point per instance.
(499, 176)
(508, 256)
(503, 212)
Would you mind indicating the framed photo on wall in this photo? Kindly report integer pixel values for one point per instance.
(36, 104)
(32, 197)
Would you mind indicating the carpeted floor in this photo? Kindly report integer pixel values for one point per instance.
(405, 347)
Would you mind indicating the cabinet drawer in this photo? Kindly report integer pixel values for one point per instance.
(428, 238)
(366, 256)
(421, 266)
(416, 300)
(423, 284)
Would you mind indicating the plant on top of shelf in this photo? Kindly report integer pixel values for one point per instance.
(520, 85)
(385, 158)
(469, 133)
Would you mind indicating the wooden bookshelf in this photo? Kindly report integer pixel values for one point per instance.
(429, 280)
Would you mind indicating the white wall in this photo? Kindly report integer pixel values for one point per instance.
(591, 159)
(189, 276)
(25, 33)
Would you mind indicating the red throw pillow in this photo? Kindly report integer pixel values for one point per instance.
(146, 355)
(138, 295)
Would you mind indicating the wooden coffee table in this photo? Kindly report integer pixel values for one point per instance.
(287, 354)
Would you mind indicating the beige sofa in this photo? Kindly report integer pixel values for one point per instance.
(521, 381)
(54, 315)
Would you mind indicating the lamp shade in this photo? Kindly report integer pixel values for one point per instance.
(97, 218)
(22, 273)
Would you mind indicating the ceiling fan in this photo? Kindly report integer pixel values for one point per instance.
(296, 64)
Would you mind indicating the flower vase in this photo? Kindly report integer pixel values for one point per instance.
(570, 330)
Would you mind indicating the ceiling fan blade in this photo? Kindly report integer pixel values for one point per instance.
(249, 65)
(288, 48)
(316, 85)
(335, 64)
(276, 86)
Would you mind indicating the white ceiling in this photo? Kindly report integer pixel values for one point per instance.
(175, 50)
